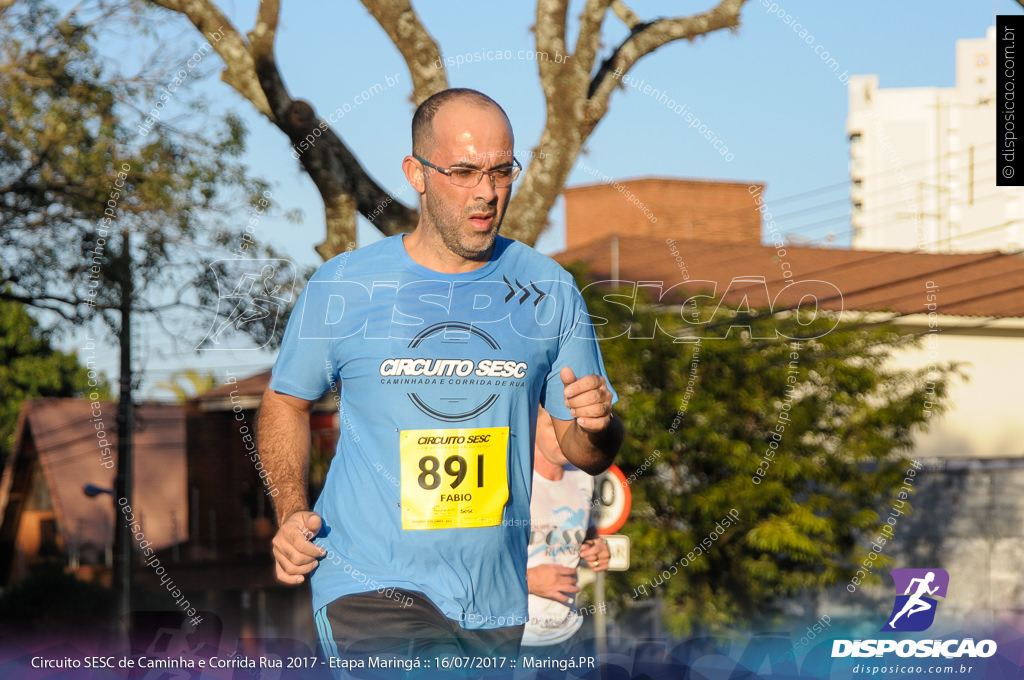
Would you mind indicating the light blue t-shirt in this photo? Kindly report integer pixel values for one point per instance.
(439, 376)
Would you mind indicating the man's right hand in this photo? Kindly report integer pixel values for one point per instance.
(294, 550)
(552, 581)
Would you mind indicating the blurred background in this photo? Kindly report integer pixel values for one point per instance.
(784, 216)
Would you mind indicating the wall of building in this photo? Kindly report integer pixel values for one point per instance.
(922, 162)
(965, 517)
(680, 209)
(985, 418)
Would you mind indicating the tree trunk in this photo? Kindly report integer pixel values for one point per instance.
(577, 91)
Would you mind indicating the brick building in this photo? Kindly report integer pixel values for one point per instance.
(675, 208)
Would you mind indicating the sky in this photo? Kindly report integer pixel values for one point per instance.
(771, 100)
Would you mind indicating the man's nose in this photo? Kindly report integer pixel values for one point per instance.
(486, 190)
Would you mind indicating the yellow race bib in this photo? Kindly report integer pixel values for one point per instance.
(454, 478)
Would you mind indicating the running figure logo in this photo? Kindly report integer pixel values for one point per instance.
(914, 610)
(252, 295)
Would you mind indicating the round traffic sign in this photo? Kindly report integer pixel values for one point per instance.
(612, 501)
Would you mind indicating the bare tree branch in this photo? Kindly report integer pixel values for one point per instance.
(645, 39)
(589, 39)
(419, 49)
(40, 302)
(576, 102)
(577, 93)
(628, 16)
(262, 36)
(251, 69)
(239, 71)
(564, 84)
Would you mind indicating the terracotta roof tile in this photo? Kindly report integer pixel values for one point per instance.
(65, 435)
(989, 284)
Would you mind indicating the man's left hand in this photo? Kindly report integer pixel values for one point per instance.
(589, 400)
(596, 553)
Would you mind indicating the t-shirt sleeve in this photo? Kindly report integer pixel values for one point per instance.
(303, 368)
(578, 349)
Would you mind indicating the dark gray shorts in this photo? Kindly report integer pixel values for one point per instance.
(370, 624)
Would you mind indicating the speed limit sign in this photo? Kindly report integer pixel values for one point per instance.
(612, 500)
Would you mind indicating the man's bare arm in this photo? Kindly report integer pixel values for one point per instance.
(593, 438)
(592, 452)
(552, 581)
(284, 442)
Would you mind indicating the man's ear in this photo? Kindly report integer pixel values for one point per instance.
(413, 170)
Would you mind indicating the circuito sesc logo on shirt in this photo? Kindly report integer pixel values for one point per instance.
(426, 366)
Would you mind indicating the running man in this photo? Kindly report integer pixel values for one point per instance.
(562, 533)
(915, 604)
(443, 341)
(247, 311)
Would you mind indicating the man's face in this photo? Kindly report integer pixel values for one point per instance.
(467, 220)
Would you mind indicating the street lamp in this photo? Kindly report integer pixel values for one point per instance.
(91, 490)
(122, 562)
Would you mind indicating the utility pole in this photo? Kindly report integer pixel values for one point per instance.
(125, 419)
(600, 619)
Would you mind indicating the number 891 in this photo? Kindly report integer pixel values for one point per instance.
(455, 465)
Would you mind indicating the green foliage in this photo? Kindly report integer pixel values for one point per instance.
(843, 418)
(79, 172)
(30, 367)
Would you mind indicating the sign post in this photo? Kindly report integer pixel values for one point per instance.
(610, 508)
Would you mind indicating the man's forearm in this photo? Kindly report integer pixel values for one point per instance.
(284, 442)
(531, 580)
(593, 452)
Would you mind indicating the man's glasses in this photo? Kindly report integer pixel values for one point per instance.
(470, 177)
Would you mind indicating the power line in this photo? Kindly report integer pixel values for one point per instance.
(711, 219)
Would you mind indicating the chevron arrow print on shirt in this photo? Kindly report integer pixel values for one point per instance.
(520, 288)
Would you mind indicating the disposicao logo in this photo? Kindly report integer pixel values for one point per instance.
(914, 611)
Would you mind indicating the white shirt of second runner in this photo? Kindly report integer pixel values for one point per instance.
(559, 519)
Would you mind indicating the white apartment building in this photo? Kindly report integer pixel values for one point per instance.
(923, 162)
